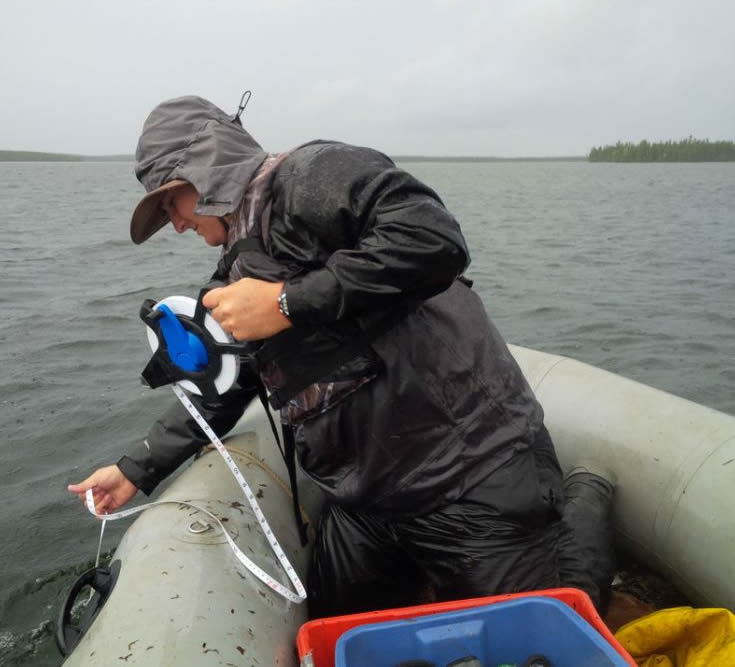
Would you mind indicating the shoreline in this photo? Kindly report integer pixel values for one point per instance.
(37, 156)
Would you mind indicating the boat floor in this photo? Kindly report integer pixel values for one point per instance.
(638, 591)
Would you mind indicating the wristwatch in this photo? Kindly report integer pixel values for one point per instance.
(283, 304)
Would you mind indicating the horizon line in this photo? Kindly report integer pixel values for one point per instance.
(18, 155)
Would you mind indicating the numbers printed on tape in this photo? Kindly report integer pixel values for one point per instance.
(300, 594)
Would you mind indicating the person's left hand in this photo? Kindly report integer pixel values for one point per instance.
(248, 309)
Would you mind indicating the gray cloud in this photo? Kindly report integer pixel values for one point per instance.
(473, 78)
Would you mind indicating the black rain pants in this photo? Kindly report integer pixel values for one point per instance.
(509, 534)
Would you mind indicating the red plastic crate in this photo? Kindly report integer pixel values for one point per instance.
(317, 639)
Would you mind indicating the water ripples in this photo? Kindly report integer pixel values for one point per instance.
(628, 267)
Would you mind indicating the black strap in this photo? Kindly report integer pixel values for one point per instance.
(289, 443)
(200, 311)
(263, 396)
(225, 264)
(289, 458)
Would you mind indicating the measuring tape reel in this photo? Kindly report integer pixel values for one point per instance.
(192, 352)
(189, 347)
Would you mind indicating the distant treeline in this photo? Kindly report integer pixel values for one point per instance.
(34, 156)
(686, 150)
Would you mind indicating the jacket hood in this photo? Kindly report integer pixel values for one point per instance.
(190, 139)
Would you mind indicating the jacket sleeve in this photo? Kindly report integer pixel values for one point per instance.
(389, 236)
(176, 436)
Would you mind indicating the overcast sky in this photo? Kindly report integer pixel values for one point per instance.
(510, 78)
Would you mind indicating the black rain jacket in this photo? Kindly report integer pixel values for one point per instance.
(443, 405)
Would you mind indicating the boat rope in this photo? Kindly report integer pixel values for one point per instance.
(300, 594)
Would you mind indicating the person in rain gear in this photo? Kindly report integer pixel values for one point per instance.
(409, 413)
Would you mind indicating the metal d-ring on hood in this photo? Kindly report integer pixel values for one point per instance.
(190, 139)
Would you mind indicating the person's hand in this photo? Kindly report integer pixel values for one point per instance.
(111, 489)
(248, 309)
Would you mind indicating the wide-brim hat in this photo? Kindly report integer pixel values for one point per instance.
(149, 216)
(190, 139)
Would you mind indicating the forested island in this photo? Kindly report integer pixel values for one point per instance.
(686, 150)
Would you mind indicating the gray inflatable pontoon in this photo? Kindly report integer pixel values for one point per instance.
(179, 597)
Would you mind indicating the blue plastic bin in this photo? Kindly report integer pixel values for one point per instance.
(502, 633)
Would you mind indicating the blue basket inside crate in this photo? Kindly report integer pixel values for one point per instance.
(497, 634)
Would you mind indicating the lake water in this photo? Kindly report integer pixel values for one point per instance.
(628, 267)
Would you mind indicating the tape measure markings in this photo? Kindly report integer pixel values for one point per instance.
(300, 594)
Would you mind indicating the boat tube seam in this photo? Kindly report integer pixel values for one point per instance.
(682, 490)
(548, 370)
(662, 538)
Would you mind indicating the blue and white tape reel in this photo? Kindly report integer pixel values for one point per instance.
(185, 305)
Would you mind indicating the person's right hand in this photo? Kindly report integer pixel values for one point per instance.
(111, 489)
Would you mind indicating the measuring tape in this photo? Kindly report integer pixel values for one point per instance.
(184, 304)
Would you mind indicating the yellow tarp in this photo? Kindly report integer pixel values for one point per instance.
(681, 637)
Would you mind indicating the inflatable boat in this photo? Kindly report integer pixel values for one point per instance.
(175, 595)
